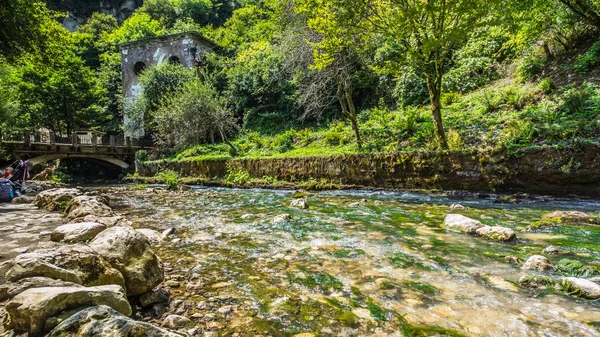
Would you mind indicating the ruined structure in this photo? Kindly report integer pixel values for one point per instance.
(187, 49)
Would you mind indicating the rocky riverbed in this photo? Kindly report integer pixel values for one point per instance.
(226, 262)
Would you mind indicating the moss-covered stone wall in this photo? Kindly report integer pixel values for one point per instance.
(544, 170)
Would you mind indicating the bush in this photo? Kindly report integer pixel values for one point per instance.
(411, 89)
(455, 142)
(581, 100)
(285, 141)
(588, 61)
(546, 85)
(142, 156)
(530, 68)
(237, 177)
(169, 178)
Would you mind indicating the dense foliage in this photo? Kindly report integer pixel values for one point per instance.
(315, 77)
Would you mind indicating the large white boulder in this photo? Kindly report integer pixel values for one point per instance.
(129, 252)
(77, 232)
(84, 205)
(28, 311)
(581, 287)
(55, 199)
(72, 263)
(460, 223)
(537, 262)
(106, 322)
(496, 233)
(12, 289)
(571, 217)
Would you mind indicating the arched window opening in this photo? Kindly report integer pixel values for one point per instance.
(174, 60)
(139, 67)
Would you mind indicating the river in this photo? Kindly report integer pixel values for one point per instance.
(359, 263)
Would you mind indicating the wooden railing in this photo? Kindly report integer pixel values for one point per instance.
(81, 139)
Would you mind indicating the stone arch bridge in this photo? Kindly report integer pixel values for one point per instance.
(46, 146)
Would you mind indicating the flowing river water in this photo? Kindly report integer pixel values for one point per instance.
(359, 263)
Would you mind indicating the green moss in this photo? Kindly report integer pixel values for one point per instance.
(320, 281)
(402, 260)
(422, 287)
(409, 330)
(575, 268)
(376, 312)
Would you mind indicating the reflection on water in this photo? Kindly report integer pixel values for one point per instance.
(359, 263)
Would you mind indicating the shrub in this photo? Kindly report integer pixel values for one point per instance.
(237, 177)
(455, 142)
(333, 138)
(169, 178)
(530, 68)
(546, 85)
(411, 89)
(588, 61)
(142, 156)
(450, 98)
(285, 141)
(580, 100)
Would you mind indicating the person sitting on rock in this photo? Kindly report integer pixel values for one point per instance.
(8, 173)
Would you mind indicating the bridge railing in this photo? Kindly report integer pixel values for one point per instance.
(77, 139)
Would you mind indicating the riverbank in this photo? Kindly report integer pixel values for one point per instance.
(74, 266)
(552, 170)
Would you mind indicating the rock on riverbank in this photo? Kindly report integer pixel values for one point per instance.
(463, 224)
(84, 286)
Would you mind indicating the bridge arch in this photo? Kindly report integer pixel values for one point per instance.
(49, 157)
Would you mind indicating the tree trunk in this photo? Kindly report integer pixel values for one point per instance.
(349, 109)
(435, 93)
(233, 149)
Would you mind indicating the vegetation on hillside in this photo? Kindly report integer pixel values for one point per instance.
(316, 77)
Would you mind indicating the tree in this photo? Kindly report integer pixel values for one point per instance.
(58, 90)
(588, 10)
(22, 27)
(428, 30)
(196, 113)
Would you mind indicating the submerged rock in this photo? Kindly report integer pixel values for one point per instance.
(571, 217)
(176, 322)
(551, 250)
(72, 263)
(29, 310)
(55, 199)
(500, 234)
(153, 297)
(460, 223)
(76, 232)
(282, 218)
(537, 262)
(299, 203)
(581, 287)
(457, 206)
(104, 321)
(129, 252)
(536, 282)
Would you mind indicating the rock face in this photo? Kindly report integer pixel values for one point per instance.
(72, 263)
(460, 223)
(299, 203)
(501, 234)
(106, 322)
(29, 311)
(581, 287)
(77, 232)
(571, 217)
(129, 252)
(55, 199)
(154, 237)
(537, 262)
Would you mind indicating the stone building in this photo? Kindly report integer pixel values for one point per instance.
(187, 49)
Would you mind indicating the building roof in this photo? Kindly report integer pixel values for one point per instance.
(195, 35)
